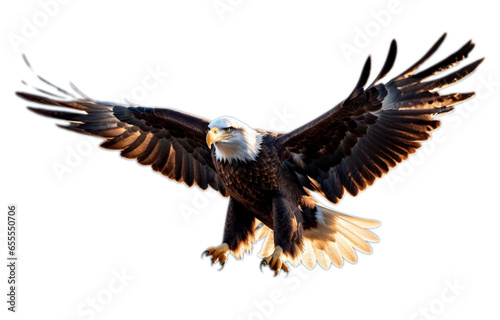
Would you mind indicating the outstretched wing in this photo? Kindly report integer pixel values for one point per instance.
(173, 143)
(375, 128)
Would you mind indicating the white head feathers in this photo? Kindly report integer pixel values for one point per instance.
(244, 143)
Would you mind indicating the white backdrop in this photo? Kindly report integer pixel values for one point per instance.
(101, 237)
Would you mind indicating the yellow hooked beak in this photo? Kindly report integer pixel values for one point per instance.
(215, 135)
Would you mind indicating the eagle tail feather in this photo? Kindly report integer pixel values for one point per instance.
(335, 239)
(268, 246)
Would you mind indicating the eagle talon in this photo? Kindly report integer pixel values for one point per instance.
(275, 261)
(263, 263)
(222, 266)
(219, 254)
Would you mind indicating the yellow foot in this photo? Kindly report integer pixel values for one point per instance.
(218, 253)
(275, 261)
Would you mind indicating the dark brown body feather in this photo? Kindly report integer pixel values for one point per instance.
(259, 187)
(254, 184)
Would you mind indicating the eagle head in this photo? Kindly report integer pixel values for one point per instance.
(233, 140)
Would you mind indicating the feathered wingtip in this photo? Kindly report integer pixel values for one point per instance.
(412, 80)
(365, 74)
(62, 94)
(65, 93)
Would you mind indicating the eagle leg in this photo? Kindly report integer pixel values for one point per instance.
(275, 261)
(218, 253)
(239, 229)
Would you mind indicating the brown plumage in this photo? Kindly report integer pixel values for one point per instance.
(268, 176)
(171, 142)
(374, 128)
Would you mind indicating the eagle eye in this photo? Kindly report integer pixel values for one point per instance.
(227, 129)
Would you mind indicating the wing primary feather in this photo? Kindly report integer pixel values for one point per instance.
(44, 80)
(77, 129)
(42, 91)
(362, 79)
(389, 62)
(62, 115)
(51, 102)
(442, 65)
(426, 56)
(80, 92)
(445, 81)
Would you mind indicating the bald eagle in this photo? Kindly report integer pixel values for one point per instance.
(268, 176)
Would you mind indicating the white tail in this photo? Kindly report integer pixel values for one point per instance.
(332, 241)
